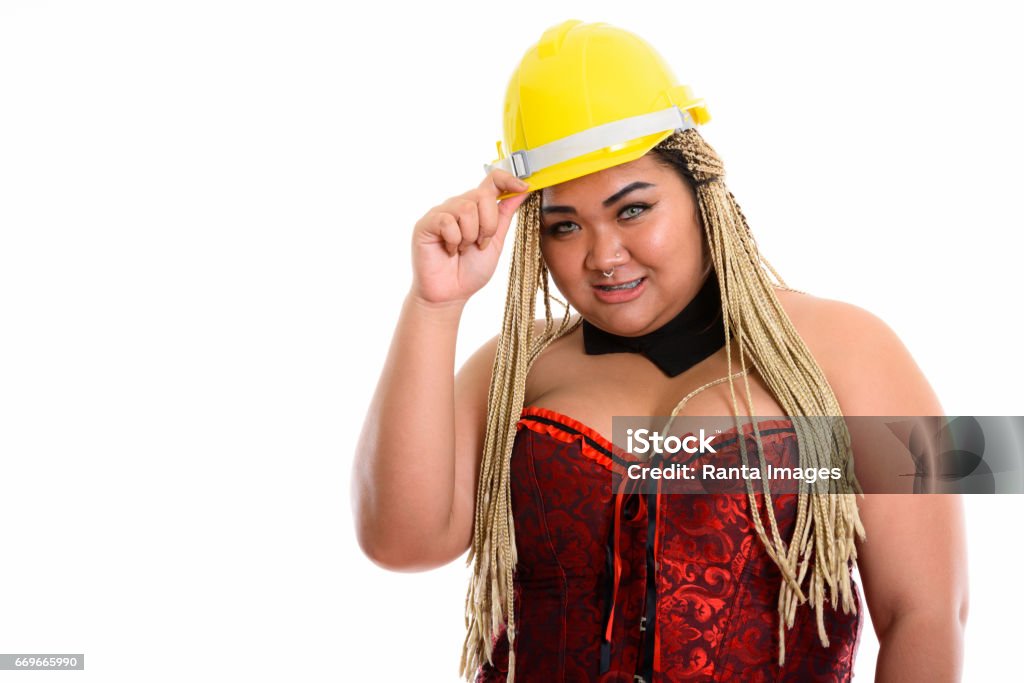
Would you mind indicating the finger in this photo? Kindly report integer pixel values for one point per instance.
(506, 209)
(469, 222)
(487, 211)
(502, 182)
(448, 229)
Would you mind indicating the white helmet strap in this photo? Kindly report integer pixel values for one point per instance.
(523, 163)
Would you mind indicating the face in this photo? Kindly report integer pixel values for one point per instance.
(640, 222)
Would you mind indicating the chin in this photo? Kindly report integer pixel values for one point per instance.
(626, 325)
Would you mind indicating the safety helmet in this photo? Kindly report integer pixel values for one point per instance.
(587, 97)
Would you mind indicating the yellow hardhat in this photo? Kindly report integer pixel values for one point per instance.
(587, 97)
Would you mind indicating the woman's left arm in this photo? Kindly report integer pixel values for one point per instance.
(913, 561)
(914, 570)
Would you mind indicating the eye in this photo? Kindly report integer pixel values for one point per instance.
(634, 210)
(563, 228)
(568, 227)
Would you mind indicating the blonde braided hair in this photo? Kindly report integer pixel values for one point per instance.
(827, 520)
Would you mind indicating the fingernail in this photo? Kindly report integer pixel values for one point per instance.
(482, 243)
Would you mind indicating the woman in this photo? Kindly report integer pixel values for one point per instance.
(627, 211)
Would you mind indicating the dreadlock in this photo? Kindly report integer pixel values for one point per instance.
(827, 519)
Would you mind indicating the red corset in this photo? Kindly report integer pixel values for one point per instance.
(682, 590)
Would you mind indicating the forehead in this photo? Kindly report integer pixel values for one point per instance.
(595, 187)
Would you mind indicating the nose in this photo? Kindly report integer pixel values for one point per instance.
(607, 252)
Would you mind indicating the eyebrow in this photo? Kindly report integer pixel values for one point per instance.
(638, 185)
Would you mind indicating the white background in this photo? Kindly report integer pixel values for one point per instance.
(205, 211)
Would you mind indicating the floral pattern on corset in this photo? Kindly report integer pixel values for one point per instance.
(717, 589)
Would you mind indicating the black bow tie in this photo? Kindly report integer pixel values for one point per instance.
(678, 345)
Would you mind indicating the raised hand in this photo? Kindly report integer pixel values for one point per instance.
(456, 245)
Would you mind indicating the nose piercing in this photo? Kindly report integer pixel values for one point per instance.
(611, 271)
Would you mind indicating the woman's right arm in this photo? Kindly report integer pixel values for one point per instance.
(416, 463)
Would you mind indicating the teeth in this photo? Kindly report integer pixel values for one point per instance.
(624, 285)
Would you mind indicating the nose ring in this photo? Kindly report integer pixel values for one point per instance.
(611, 271)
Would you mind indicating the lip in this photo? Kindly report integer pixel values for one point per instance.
(621, 295)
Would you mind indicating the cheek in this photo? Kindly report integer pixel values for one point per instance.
(548, 255)
(554, 261)
(674, 241)
(558, 260)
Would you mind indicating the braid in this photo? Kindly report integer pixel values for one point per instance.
(826, 522)
(489, 601)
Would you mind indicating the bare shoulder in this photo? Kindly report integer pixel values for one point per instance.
(870, 369)
(477, 368)
(831, 323)
(484, 355)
